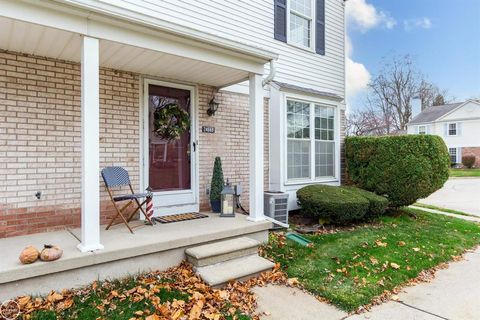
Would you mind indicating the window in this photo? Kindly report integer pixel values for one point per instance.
(298, 140)
(300, 15)
(310, 131)
(453, 155)
(301, 23)
(422, 130)
(452, 129)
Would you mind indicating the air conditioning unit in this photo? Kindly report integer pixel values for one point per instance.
(276, 207)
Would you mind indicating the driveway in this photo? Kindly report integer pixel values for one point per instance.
(462, 194)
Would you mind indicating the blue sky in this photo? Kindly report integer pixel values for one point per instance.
(443, 37)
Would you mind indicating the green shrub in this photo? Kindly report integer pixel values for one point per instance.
(377, 204)
(216, 185)
(402, 168)
(468, 161)
(334, 204)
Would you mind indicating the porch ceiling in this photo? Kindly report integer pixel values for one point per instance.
(44, 41)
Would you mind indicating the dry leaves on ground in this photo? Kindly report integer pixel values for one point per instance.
(204, 302)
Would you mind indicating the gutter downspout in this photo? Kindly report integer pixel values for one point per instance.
(271, 74)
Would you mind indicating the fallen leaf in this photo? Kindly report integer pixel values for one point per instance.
(292, 281)
(394, 265)
(401, 243)
(380, 243)
(54, 297)
(416, 249)
(373, 260)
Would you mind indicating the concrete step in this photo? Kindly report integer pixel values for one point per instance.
(241, 269)
(221, 251)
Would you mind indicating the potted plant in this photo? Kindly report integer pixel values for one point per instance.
(216, 185)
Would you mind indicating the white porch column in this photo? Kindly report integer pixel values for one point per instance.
(90, 116)
(256, 148)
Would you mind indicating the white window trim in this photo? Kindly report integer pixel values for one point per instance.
(312, 179)
(311, 48)
(424, 129)
(448, 129)
(456, 154)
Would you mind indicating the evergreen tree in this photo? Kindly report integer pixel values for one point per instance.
(216, 185)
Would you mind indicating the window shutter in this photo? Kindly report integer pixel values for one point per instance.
(459, 128)
(320, 27)
(445, 129)
(417, 129)
(280, 20)
(459, 155)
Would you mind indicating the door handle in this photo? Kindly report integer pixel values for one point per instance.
(194, 146)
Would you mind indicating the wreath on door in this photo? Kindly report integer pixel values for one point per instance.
(170, 121)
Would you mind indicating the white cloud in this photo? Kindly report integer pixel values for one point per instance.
(365, 16)
(362, 16)
(423, 23)
(357, 77)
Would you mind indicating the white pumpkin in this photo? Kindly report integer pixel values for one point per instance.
(50, 253)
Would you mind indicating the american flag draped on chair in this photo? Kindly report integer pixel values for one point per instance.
(114, 177)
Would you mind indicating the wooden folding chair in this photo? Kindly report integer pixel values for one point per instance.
(118, 177)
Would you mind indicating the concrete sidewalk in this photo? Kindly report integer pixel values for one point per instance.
(453, 294)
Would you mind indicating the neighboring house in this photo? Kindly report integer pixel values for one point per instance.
(457, 123)
(80, 80)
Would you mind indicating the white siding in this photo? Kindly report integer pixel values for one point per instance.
(467, 117)
(251, 22)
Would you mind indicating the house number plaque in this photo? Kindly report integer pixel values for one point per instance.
(208, 129)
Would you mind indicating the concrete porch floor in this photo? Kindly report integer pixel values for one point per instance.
(149, 248)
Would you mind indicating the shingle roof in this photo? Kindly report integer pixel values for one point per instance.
(283, 85)
(433, 113)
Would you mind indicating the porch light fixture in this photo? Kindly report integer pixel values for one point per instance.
(228, 201)
(212, 107)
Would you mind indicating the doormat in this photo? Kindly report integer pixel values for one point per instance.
(180, 217)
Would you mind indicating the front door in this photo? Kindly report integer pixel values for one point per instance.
(170, 162)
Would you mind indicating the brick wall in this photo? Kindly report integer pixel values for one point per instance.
(474, 151)
(40, 140)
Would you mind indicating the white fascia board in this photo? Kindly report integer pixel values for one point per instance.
(452, 111)
(74, 20)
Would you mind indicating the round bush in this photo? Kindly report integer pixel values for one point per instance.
(377, 204)
(468, 161)
(335, 204)
(402, 168)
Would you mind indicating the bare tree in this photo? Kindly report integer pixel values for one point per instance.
(393, 89)
(431, 95)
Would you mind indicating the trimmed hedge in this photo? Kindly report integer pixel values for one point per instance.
(334, 204)
(377, 204)
(403, 168)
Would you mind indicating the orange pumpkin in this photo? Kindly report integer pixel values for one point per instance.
(50, 253)
(29, 255)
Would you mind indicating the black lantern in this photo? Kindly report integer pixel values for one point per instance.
(212, 107)
(228, 201)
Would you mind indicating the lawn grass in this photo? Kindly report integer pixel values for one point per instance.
(138, 297)
(351, 268)
(428, 206)
(90, 304)
(465, 172)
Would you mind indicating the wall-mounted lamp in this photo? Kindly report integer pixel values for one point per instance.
(212, 107)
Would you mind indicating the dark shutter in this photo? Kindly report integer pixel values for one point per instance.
(280, 20)
(320, 28)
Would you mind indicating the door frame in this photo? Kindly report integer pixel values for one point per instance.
(190, 204)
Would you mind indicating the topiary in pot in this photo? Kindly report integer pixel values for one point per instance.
(216, 185)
